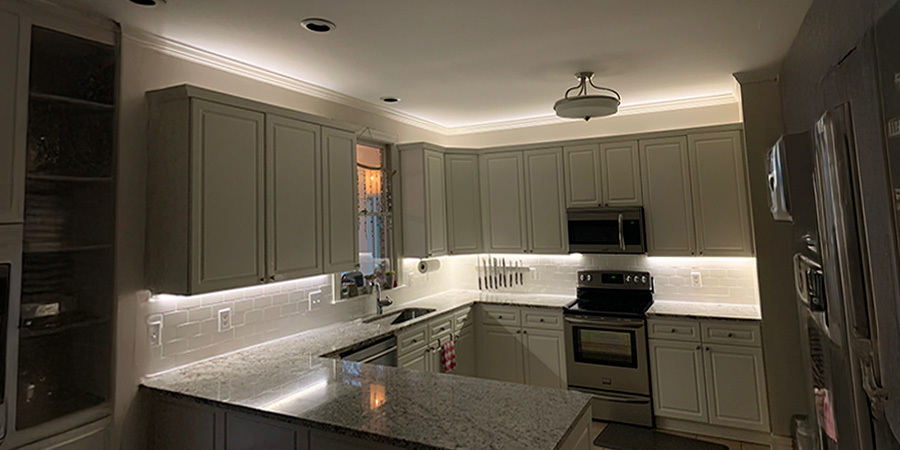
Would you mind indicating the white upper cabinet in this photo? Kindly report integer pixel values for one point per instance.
(227, 197)
(545, 201)
(339, 201)
(503, 202)
(720, 200)
(583, 176)
(668, 211)
(12, 119)
(736, 387)
(463, 204)
(293, 198)
(621, 174)
(424, 201)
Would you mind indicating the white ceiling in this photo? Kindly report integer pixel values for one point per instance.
(467, 62)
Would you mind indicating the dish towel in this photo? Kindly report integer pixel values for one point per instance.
(448, 356)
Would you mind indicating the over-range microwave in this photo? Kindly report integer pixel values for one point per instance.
(607, 230)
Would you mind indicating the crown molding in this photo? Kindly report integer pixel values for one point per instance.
(187, 52)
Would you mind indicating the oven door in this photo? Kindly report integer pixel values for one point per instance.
(606, 230)
(607, 353)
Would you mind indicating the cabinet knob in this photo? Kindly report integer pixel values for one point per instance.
(707, 348)
(262, 280)
(524, 331)
(415, 340)
(499, 317)
(698, 347)
(673, 330)
(730, 334)
(542, 320)
(272, 278)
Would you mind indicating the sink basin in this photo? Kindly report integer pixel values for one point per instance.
(400, 316)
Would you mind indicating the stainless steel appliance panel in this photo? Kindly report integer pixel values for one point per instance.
(617, 407)
(607, 230)
(382, 353)
(608, 353)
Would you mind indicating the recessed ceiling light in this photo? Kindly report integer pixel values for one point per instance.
(390, 99)
(146, 3)
(314, 25)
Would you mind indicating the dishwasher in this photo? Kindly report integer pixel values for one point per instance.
(382, 353)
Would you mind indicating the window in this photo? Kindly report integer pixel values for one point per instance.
(375, 221)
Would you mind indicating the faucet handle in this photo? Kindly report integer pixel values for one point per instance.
(387, 301)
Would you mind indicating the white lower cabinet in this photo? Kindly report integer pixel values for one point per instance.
(500, 354)
(717, 379)
(544, 358)
(465, 352)
(420, 347)
(416, 360)
(522, 354)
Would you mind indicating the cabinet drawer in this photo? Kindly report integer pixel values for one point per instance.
(440, 327)
(550, 320)
(412, 339)
(507, 316)
(674, 329)
(731, 333)
(462, 318)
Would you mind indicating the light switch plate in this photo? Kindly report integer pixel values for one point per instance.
(154, 332)
(696, 280)
(224, 319)
(315, 300)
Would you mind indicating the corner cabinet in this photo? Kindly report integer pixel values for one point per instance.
(239, 195)
(424, 201)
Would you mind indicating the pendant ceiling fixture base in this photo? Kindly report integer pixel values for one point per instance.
(584, 106)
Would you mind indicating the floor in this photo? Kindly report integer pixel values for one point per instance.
(597, 428)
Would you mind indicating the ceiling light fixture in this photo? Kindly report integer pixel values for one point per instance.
(146, 3)
(390, 99)
(584, 106)
(318, 25)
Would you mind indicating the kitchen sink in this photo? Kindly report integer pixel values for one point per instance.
(400, 316)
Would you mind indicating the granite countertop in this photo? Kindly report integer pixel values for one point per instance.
(289, 378)
(705, 310)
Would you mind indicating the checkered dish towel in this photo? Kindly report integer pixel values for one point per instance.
(448, 355)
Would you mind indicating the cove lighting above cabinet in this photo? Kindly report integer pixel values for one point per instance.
(241, 193)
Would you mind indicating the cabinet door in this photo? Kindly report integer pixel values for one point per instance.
(228, 197)
(12, 119)
(416, 360)
(463, 204)
(719, 186)
(583, 176)
(665, 175)
(500, 354)
(244, 432)
(679, 387)
(435, 206)
(736, 387)
(503, 202)
(545, 201)
(340, 223)
(293, 200)
(621, 174)
(465, 352)
(545, 358)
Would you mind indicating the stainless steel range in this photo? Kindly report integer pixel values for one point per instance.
(606, 344)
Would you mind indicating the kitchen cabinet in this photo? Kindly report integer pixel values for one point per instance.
(583, 176)
(719, 192)
(13, 110)
(621, 174)
(293, 199)
(416, 360)
(666, 192)
(465, 352)
(500, 354)
(522, 345)
(339, 201)
(503, 202)
(714, 376)
(545, 201)
(544, 357)
(424, 201)
(420, 346)
(463, 204)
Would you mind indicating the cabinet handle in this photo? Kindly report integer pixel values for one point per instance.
(414, 341)
(272, 278)
(262, 280)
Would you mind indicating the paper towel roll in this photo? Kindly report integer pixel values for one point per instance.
(429, 265)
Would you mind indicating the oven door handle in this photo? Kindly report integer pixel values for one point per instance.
(600, 321)
(612, 397)
(621, 232)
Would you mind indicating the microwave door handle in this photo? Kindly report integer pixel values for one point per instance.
(621, 232)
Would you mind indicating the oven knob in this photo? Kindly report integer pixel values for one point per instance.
(588, 277)
(644, 279)
(628, 278)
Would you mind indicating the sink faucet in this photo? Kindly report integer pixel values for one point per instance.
(379, 302)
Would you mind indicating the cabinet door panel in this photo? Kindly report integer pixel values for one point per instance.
(621, 174)
(545, 201)
(503, 202)
(582, 176)
(736, 387)
(665, 175)
(416, 360)
(679, 387)
(500, 354)
(465, 352)
(250, 433)
(293, 203)
(463, 204)
(435, 203)
(339, 208)
(545, 358)
(228, 197)
(719, 188)
(12, 119)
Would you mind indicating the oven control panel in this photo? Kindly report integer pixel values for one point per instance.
(615, 279)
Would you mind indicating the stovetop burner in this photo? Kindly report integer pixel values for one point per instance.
(608, 293)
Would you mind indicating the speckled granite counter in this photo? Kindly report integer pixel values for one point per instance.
(703, 310)
(289, 379)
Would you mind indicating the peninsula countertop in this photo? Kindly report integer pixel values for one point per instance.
(289, 378)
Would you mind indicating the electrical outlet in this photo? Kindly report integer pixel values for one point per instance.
(696, 281)
(224, 319)
(154, 332)
(315, 300)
